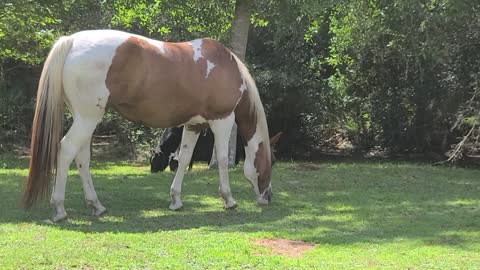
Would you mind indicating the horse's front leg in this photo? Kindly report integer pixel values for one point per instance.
(83, 164)
(221, 130)
(189, 139)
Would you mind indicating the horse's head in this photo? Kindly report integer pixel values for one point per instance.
(263, 171)
(158, 162)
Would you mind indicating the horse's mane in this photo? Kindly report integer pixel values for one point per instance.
(256, 106)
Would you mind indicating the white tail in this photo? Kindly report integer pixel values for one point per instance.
(47, 127)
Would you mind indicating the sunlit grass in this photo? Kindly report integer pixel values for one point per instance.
(359, 215)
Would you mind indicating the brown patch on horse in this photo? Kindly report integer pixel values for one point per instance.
(246, 117)
(165, 89)
(264, 170)
(285, 247)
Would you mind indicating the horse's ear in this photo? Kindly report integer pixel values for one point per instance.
(274, 139)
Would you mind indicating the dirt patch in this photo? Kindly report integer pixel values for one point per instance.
(284, 247)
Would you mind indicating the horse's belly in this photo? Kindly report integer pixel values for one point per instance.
(154, 115)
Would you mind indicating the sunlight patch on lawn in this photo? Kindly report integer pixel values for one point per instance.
(203, 201)
(14, 172)
(338, 207)
(120, 170)
(108, 218)
(463, 202)
(200, 166)
(154, 213)
(343, 217)
(335, 193)
(79, 222)
(106, 170)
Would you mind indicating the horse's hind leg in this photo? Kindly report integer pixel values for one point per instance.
(83, 164)
(189, 139)
(221, 131)
(77, 136)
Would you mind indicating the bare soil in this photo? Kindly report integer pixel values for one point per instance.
(284, 247)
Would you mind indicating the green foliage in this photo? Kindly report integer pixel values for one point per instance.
(399, 75)
(401, 64)
(175, 19)
(42, 22)
(15, 108)
(286, 58)
(26, 30)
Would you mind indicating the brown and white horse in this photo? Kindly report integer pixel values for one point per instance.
(160, 84)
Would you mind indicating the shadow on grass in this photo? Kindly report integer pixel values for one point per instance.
(335, 203)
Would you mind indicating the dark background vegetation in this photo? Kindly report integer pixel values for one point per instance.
(393, 77)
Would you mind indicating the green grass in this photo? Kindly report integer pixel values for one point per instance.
(358, 215)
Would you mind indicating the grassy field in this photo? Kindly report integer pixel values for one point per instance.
(357, 215)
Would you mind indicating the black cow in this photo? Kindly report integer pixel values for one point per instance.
(167, 151)
(167, 146)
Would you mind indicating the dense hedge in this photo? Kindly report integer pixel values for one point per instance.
(401, 76)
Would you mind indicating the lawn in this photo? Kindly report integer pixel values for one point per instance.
(383, 215)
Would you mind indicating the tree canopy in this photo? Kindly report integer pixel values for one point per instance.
(401, 76)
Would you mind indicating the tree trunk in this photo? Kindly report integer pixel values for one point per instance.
(240, 25)
(238, 43)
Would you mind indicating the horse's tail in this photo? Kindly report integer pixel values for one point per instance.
(255, 111)
(47, 127)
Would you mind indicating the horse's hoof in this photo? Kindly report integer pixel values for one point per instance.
(98, 211)
(59, 212)
(230, 204)
(176, 201)
(175, 206)
(262, 201)
(56, 217)
(97, 208)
